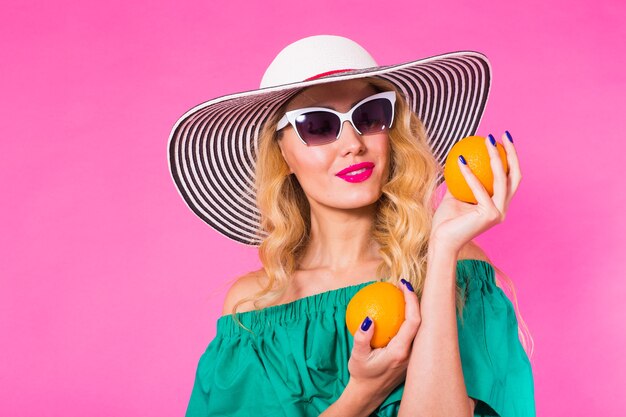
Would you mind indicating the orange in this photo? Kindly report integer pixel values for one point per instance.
(474, 150)
(384, 303)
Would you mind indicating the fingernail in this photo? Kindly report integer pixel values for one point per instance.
(508, 136)
(408, 284)
(366, 324)
(492, 139)
(462, 160)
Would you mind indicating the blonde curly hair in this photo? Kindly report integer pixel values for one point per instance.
(403, 213)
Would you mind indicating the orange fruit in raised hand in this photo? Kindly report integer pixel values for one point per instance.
(384, 303)
(474, 150)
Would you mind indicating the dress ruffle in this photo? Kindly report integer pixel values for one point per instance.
(294, 362)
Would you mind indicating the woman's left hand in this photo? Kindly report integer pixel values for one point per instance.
(455, 222)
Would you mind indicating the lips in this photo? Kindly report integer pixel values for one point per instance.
(356, 167)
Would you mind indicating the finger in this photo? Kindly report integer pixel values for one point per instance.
(499, 176)
(362, 339)
(482, 196)
(515, 173)
(409, 327)
(411, 308)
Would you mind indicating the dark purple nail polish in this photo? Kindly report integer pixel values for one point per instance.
(366, 324)
(492, 139)
(508, 135)
(408, 284)
(462, 160)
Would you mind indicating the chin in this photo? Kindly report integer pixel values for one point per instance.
(357, 202)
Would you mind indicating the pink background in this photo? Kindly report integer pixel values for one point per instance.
(110, 286)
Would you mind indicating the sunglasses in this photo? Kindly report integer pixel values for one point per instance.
(319, 125)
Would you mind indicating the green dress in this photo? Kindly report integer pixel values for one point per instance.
(296, 363)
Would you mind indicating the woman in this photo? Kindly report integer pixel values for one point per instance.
(340, 205)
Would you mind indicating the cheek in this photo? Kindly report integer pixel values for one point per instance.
(381, 148)
(311, 166)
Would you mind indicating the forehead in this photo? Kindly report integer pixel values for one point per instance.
(338, 95)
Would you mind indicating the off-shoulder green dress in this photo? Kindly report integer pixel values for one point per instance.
(296, 362)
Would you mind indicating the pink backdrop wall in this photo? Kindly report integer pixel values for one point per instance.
(110, 286)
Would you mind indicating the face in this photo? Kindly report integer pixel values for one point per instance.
(316, 167)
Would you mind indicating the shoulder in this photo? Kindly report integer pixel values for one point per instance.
(244, 286)
(252, 282)
(472, 251)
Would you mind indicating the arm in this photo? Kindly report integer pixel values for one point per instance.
(353, 402)
(434, 384)
(376, 372)
(435, 375)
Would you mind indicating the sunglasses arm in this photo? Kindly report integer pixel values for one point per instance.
(282, 123)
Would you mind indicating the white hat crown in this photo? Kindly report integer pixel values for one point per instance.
(313, 57)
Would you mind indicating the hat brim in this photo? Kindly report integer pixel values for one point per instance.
(212, 147)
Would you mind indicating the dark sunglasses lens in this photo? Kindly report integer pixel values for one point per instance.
(318, 127)
(373, 116)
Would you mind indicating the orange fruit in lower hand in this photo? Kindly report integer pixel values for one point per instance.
(474, 150)
(384, 303)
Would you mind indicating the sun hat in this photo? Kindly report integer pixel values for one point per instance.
(212, 147)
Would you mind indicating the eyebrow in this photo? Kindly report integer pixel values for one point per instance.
(353, 104)
(331, 107)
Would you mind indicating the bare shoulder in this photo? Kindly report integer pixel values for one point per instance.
(244, 286)
(472, 251)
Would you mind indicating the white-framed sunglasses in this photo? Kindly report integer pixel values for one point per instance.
(320, 125)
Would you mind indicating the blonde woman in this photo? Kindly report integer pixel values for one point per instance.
(331, 169)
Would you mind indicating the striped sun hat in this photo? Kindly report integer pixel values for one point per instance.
(212, 147)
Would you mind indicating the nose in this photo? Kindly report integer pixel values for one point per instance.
(350, 140)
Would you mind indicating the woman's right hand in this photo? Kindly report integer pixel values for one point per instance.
(375, 373)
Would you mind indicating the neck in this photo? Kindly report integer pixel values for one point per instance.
(340, 239)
